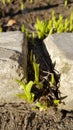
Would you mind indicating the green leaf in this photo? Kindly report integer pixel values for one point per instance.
(65, 2)
(23, 96)
(52, 82)
(28, 93)
(40, 27)
(31, 56)
(9, 1)
(36, 70)
(51, 31)
(4, 2)
(29, 86)
(23, 28)
(1, 29)
(60, 28)
(50, 24)
(56, 102)
(60, 20)
(22, 6)
(41, 106)
(66, 25)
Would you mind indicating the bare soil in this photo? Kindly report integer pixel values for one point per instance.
(39, 8)
(19, 116)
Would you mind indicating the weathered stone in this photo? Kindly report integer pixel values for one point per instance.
(12, 40)
(13, 64)
(60, 49)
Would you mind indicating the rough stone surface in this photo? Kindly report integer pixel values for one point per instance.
(60, 49)
(12, 40)
(13, 64)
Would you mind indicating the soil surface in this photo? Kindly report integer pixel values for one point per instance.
(15, 116)
(39, 8)
(21, 117)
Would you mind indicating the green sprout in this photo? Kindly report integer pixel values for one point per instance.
(31, 1)
(44, 28)
(1, 29)
(41, 106)
(36, 73)
(27, 95)
(40, 27)
(36, 69)
(22, 28)
(71, 22)
(66, 25)
(56, 102)
(22, 6)
(65, 2)
(4, 2)
(9, 1)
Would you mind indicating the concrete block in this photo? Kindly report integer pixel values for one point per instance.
(13, 64)
(60, 49)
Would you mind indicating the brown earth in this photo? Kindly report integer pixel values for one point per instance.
(38, 8)
(14, 116)
(21, 117)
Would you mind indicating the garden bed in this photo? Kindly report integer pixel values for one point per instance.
(39, 8)
(20, 116)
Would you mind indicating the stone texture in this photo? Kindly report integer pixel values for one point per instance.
(13, 64)
(60, 49)
(12, 40)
